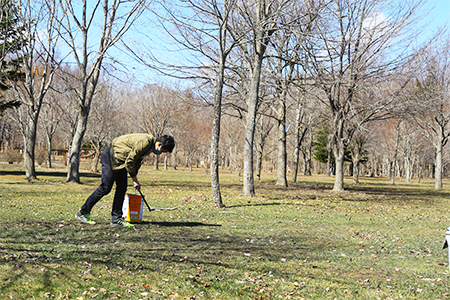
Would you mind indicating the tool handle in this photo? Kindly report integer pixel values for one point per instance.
(143, 198)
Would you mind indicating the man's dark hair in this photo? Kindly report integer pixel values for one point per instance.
(167, 141)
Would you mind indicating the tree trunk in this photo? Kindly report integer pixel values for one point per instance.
(30, 143)
(305, 163)
(96, 157)
(258, 163)
(296, 162)
(309, 153)
(339, 163)
(356, 165)
(215, 138)
(95, 161)
(49, 152)
(249, 185)
(175, 158)
(281, 165)
(338, 147)
(73, 157)
(408, 171)
(438, 163)
(295, 165)
(392, 168)
(308, 157)
(394, 159)
(330, 168)
(374, 169)
(298, 141)
(156, 162)
(259, 148)
(420, 172)
(86, 96)
(252, 101)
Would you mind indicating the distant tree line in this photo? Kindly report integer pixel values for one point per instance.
(337, 87)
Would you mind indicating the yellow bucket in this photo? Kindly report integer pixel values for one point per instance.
(133, 206)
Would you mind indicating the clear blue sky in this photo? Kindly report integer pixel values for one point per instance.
(438, 16)
(440, 13)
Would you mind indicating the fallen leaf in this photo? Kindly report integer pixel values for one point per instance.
(156, 292)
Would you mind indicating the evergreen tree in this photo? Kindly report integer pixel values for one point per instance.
(321, 145)
(11, 40)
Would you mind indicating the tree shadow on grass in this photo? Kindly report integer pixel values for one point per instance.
(178, 224)
(50, 254)
(46, 174)
(401, 193)
(259, 204)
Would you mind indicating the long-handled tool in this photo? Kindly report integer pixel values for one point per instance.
(154, 209)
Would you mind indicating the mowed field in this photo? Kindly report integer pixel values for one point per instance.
(372, 241)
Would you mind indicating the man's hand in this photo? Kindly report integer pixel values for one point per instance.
(136, 184)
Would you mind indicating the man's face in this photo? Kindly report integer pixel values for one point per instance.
(159, 149)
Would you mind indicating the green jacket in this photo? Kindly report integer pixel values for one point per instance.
(128, 151)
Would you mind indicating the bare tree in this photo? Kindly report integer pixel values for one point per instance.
(39, 66)
(234, 136)
(282, 68)
(307, 112)
(105, 120)
(362, 43)
(67, 103)
(285, 55)
(391, 134)
(116, 18)
(256, 21)
(195, 135)
(154, 109)
(432, 103)
(9, 129)
(51, 116)
(357, 148)
(200, 28)
(157, 108)
(307, 109)
(218, 82)
(306, 149)
(263, 129)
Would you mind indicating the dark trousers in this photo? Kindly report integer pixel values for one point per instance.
(108, 178)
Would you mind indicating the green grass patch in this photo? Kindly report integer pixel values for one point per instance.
(372, 241)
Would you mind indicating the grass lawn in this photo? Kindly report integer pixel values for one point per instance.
(372, 241)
